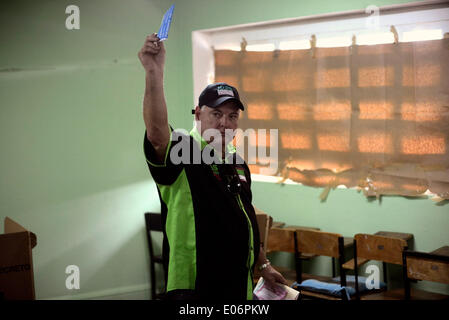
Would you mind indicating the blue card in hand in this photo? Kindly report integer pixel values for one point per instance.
(165, 25)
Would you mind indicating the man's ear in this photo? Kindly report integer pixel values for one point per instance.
(197, 112)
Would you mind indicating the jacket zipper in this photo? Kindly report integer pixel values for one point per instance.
(251, 237)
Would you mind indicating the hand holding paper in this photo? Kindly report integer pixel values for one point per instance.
(282, 292)
(165, 24)
(152, 55)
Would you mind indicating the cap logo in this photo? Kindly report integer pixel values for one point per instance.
(225, 91)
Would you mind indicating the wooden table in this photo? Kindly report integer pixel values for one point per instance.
(278, 224)
(301, 228)
(348, 242)
(399, 235)
(443, 251)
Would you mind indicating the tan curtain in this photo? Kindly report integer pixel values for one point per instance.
(376, 117)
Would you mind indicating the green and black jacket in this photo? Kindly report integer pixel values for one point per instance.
(211, 238)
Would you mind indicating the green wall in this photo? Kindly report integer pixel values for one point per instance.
(71, 135)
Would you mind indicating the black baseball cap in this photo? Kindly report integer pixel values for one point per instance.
(216, 94)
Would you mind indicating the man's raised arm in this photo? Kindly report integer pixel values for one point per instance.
(152, 57)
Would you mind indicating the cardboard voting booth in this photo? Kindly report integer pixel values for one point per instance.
(16, 262)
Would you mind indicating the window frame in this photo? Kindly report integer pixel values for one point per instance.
(404, 17)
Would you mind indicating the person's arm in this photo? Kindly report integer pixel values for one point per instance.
(269, 274)
(152, 57)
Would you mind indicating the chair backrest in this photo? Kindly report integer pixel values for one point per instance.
(318, 242)
(322, 243)
(385, 249)
(280, 239)
(264, 222)
(153, 221)
(427, 266)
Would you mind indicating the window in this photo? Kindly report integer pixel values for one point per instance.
(366, 105)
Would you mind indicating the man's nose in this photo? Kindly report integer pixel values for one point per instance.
(224, 121)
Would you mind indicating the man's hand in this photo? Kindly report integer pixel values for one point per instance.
(272, 278)
(152, 54)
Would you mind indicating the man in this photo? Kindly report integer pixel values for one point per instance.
(211, 239)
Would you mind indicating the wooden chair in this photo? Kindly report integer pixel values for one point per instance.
(154, 224)
(424, 266)
(375, 247)
(319, 243)
(303, 256)
(284, 240)
(264, 222)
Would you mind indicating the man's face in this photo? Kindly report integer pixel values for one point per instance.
(223, 117)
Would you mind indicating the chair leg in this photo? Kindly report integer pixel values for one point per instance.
(298, 263)
(341, 259)
(153, 281)
(298, 260)
(333, 267)
(406, 279)
(356, 272)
